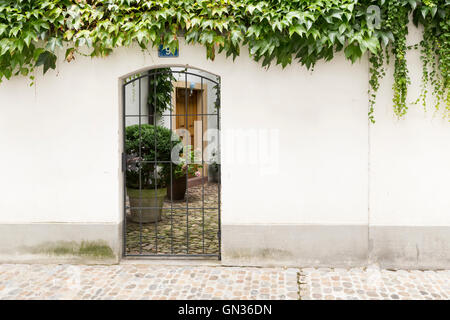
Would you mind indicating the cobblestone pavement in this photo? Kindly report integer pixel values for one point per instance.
(172, 231)
(374, 283)
(144, 281)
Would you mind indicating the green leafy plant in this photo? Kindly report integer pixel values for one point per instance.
(397, 23)
(275, 32)
(160, 90)
(187, 164)
(435, 52)
(145, 146)
(434, 16)
(216, 87)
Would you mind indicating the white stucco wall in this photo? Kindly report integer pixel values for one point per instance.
(409, 159)
(61, 144)
(132, 94)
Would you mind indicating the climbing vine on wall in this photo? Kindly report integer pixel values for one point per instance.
(433, 15)
(435, 52)
(275, 32)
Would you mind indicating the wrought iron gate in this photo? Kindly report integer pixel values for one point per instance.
(171, 163)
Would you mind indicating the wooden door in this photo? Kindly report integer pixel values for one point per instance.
(183, 121)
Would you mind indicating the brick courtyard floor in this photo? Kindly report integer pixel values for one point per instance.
(144, 281)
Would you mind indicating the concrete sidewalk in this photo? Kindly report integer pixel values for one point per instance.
(149, 281)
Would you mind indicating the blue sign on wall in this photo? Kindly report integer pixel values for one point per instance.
(166, 53)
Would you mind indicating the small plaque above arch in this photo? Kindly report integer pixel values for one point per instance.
(165, 52)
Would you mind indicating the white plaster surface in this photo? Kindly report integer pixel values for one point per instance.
(61, 142)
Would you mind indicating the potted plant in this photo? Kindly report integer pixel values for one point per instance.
(146, 180)
(177, 189)
(214, 167)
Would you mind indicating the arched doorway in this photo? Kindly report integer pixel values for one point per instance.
(171, 163)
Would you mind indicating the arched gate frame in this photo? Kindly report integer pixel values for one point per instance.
(156, 224)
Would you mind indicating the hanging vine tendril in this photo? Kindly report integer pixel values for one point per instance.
(435, 51)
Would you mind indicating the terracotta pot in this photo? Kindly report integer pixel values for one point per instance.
(178, 190)
(151, 199)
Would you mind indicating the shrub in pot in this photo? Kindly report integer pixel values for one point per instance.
(146, 180)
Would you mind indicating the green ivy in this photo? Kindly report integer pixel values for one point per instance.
(275, 32)
(160, 87)
(397, 23)
(435, 52)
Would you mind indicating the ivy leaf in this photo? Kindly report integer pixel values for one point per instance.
(293, 14)
(3, 28)
(254, 30)
(19, 44)
(207, 37)
(433, 11)
(4, 46)
(69, 54)
(265, 46)
(252, 8)
(390, 35)
(47, 59)
(277, 25)
(38, 25)
(29, 36)
(69, 34)
(308, 24)
(192, 36)
(208, 24)
(424, 12)
(7, 72)
(413, 4)
(53, 43)
(141, 35)
(353, 52)
(315, 33)
(152, 35)
(219, 41)
(298, 29)
(236, 36)
(372, 44)
(337, 15)
(332, 36)
(384, 39)
(24, 71)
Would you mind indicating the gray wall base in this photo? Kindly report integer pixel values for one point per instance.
(410, 247)
(88, 243)
(250, 245)
(336, 246)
